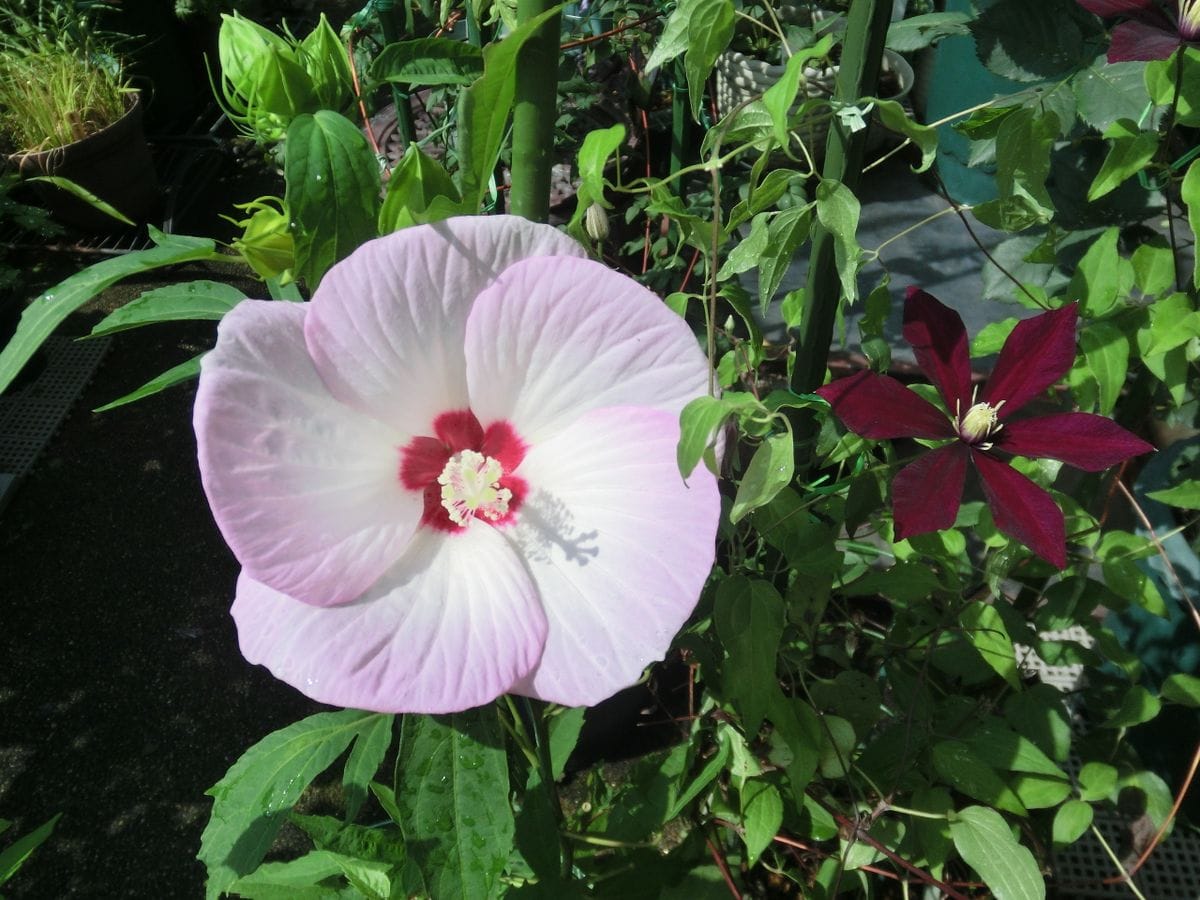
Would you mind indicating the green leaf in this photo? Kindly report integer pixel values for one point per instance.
(674, 38)
(364, 762)
(762, 816)
(564, 734)
(769, 472)
(748, 615)
(332, 191)
(427, 61)
(1160, 84)
(1097, 781)
(251, 802)
(1182, 689)
(45, 313)
(918, 32)
(1006, 749)
(838, 210)
(986, 632)
(986, 843)
(712, 768)
(324, 58)
(383, 847)
(452, 794)
(779, 97)
(185, 371)
(786, 231)
(1129, 152)
(1035, 40)
(1181, 496)
(991, 337)
(419, 191)
(837, 747)
(967, 773)
(599, 145)
(172, 303)
(709, 29)
(483, 110)
(1070, 822)
(14, 855)
(698, 424)
(895, 118)
(1023, 144)
(79, 191)
(1102, 278)
(1138, 705)
(1189, 191)
(1038, 713)
(1106, 92)
(298, 878)
(1106, 354)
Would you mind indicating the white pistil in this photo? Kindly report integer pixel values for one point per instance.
(471, 486)
(979, 422)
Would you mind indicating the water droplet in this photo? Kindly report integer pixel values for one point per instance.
(318, 176)
(47, 297)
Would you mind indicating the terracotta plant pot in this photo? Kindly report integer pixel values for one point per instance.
(114, 164)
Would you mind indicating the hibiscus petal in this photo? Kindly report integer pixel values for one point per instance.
(1022, 510)
(1146, 40)
(1036, 355)
(554, 338)
(926, 493)
(1088, 442)
(304, 489)
(879, 406)
(618, 546)
(453, 625)
(387, 323)
(939, 341)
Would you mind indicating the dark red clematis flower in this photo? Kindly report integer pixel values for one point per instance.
(1150, 31)
(926, 494)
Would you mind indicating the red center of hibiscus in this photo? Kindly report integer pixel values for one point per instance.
(465, 471)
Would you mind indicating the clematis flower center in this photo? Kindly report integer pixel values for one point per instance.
(465, 471)
(1189, 19)
(471, 485)
(979, 423)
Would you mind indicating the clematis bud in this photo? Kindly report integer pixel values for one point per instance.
(595, 220)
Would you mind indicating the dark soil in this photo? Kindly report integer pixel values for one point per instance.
(123, 696)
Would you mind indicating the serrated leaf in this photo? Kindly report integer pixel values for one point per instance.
(427, 61)
(298, 878)
(192, 300)
(332, 193)
(918, 32)
(452, 794)
(1070, 822)
(986, 843)
(251, 802)
(769, 472)
(1034, 40)
(49, 309)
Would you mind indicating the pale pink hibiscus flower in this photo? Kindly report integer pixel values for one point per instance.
(452, 474)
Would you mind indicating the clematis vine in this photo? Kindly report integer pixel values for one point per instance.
(452, 474)
(927, 493)
(1149, 31)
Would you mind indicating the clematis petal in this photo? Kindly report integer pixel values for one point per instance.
(454, 624)
(1154, 38)
(304, 489)
(387, 323)
(618, 546)
(939, 341)
(1036, 355)
(554, 338)
(1022, 510)
(1088, 442)
(926, 493)
(879, 406)
(1107, 9)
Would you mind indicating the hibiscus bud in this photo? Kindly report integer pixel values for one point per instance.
(979, 422)
(595, 220)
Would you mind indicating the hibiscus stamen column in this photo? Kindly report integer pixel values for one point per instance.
(862, 51)
(535, 103)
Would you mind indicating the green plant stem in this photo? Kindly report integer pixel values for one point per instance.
(862, 51)
(680, 120)
(535, 713)
(389, 22)
(535, 106)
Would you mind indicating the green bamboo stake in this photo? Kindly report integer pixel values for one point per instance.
(535, 107)
(393, 32)
(862, 52)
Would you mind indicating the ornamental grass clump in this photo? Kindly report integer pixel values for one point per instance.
(59, 82)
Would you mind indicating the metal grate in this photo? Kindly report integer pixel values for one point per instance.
(1173, 870)
(30, 415)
